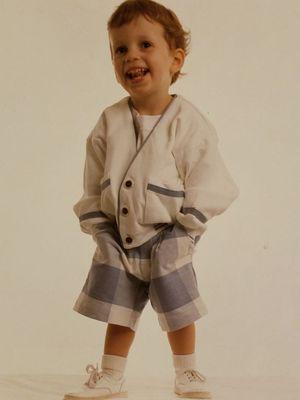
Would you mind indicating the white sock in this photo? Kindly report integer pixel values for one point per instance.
(182, 362)
(113, 365)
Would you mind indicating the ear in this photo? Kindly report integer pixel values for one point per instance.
(111, 53)
(110, 47)
(178, 60)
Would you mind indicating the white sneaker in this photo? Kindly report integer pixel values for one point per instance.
(191, 384)
(100, 385)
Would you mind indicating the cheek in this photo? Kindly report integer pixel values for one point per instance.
(117, 75)
(118, 72)
(118, 79)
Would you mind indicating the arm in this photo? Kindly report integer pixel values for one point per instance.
(209, 188)
(92, 220)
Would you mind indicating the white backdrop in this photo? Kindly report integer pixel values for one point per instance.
(56, 77)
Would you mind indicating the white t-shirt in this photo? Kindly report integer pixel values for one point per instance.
(146, 123)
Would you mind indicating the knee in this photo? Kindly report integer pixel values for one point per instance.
(120, 328)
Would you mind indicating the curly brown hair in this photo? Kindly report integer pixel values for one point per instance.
(174, 34)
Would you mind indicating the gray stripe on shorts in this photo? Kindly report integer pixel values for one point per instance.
(175, 289)
(115, 286)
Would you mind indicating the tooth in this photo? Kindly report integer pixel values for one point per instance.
(136, 72)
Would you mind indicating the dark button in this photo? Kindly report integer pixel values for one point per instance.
(128, 183)
(128, 239)
(125, 210)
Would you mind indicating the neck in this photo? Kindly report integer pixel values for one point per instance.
(151, 107)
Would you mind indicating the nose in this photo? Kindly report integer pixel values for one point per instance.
(132, 54)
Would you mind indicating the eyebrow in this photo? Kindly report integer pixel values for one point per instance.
(118, 42)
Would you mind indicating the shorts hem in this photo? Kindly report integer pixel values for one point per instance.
(184, 316)
(84, 306)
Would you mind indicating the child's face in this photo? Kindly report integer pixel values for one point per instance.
(141, 43)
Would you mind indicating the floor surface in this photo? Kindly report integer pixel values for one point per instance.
(53, 387)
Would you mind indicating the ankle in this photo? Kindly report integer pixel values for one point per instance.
(113, 365)
(182, 362)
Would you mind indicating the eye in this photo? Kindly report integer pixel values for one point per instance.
(146, 44)
(120, 49)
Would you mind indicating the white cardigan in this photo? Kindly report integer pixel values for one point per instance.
(175, 175)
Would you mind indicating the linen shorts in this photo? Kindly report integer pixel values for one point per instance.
(121, 281)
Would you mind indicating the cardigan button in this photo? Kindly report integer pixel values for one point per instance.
(128, 239)
(125, 210)
(128, 183)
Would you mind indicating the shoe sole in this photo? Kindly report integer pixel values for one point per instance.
(104, 396)
(195, 395)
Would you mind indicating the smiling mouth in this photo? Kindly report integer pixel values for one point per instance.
(136, 75)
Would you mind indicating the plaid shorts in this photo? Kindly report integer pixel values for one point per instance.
(121, 281)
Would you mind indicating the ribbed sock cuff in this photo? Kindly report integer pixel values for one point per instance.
(113, 365)
(182, 362)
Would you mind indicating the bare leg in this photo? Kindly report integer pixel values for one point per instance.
(183, 340)
(118, 340)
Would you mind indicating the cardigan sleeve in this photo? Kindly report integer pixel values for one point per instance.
(87, 208)
(209, 187)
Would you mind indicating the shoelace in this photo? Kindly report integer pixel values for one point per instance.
(194, 375)
(94, 375)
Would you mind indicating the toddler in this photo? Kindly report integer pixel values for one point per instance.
(153, 177)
